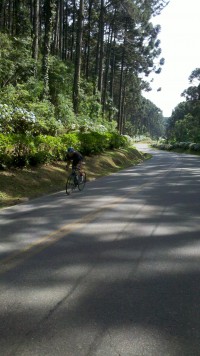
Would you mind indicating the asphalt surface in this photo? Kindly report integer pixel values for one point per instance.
(113, 270)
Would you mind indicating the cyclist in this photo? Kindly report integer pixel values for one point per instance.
(75, 158)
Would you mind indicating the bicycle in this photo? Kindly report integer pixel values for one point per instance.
(76, 179)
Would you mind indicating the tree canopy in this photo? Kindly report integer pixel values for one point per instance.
(67, 61)
(184, 124)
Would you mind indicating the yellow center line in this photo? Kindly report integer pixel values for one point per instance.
(19, 257)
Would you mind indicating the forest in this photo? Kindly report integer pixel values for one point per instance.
(182, 129)
(184, 124)
(72, 73)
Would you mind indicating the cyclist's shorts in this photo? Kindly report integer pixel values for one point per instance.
(77, 166)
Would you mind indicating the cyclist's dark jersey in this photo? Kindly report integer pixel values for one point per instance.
(76, 158)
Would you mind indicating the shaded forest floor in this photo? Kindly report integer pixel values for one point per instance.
(20, 185)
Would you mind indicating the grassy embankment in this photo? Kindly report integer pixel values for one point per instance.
(19, 185)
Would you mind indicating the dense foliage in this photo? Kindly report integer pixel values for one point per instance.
(69, 65)
(184, 124)
(19, 150)
(146, 119)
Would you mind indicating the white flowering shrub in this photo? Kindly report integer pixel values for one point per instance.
(86, 124)
(16, 120)
(130, 140)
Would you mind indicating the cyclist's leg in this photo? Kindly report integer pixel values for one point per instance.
(70, 186)
(82, 181)
(75, 173)
(82, 176)
(79, 166)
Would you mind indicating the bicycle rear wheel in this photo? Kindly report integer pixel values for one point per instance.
(70, 185)
(81, 180)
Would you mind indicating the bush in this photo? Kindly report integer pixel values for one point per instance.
(196, 147)
(117, 141)
(183, 145)
(16, 120)
(93, 142)
(19, 150)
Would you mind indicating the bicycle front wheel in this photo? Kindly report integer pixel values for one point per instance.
(81, 181)
(70, 185)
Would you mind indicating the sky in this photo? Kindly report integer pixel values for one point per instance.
(180, 44)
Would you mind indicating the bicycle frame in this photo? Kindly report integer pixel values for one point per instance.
(76, 179)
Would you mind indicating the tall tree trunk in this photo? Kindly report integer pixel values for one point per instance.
(119, 125)
(101, 47)
(61, 28)
(2, 14)
(35, 48)
(10, 12)
(107, 67)
(78, 57)
(31, 12)
(111, 77)
(123, 104)
(112, 71)
(96, 67)
(56, 29)
(87, 61)
(16, 13)
(120, 105)
(47, 43)
(73, 31)
(66, 33)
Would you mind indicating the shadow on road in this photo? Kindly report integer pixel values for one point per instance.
(131, 277)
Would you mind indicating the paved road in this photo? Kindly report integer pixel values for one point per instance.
(114, 270)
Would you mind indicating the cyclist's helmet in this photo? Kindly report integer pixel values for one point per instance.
(70, 149)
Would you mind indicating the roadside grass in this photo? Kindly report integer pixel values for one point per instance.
(189, 152)
(20, 185)
(180, 150)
